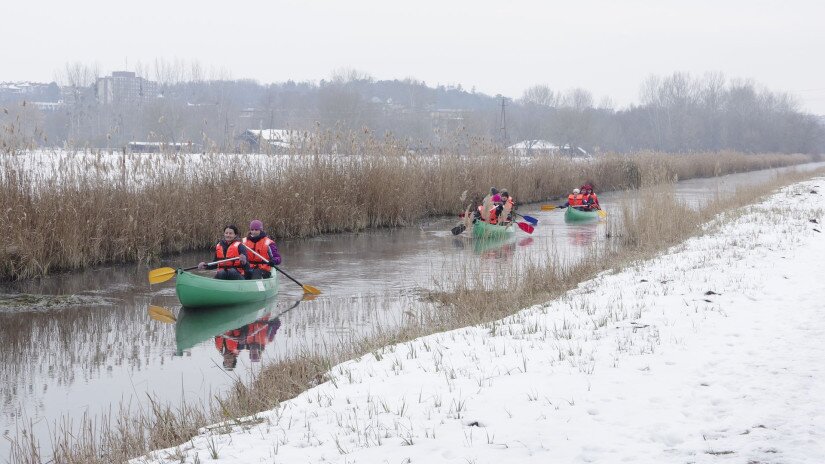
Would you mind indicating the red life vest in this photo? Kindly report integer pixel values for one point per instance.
(595, 199)
(232, 251)
(262, 248)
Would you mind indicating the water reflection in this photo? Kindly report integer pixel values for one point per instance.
(582, 235)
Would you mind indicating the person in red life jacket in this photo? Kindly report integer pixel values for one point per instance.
(592, 199)
(229, 247)
(574, 200)
(258, 241)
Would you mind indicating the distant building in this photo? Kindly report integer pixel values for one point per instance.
(124, 87)
(278, 140)
(162, 147)
(545, 148)
(29, 91)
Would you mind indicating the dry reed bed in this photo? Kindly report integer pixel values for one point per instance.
(633, 235)
(83, 215)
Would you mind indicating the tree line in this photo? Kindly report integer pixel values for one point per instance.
(676, 113)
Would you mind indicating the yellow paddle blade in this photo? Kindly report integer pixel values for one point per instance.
(311, 290)
(162, 274)
(159, 313)
(548, 207)
(308, 297)
(602, 213)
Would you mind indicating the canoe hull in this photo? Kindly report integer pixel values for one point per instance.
(576, 215)
(484, 231)
(195, 291)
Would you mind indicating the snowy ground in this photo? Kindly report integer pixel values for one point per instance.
(712, 353)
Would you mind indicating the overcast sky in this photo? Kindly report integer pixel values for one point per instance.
(607, 47)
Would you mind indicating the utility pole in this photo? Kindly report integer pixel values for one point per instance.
(503, 130)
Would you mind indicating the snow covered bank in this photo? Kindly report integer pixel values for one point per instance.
(711, 353)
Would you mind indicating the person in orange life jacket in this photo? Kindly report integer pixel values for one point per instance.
(263, 245)
(575, 200)
(229, 247)
(486, 200)
(507, 204)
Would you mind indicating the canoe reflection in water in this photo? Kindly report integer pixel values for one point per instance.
(251, 337)
(233, 329)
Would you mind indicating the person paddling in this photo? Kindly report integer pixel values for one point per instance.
(229, 247)
(590, 197)
(575, 200)
(258, 241)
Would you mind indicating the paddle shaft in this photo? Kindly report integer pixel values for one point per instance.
(276, 267)
(213, 262)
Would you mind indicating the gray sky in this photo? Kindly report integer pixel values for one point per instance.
(607, 47)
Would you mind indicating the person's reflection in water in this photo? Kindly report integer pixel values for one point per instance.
(229, 345)
(582, 236)
(252, 337)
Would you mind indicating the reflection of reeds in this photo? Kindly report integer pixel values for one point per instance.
(92, 208)
(472, 297)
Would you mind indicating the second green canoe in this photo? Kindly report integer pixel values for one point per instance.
(482, 230)
(195, 291)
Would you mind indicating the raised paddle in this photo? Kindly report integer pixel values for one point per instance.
(307, 288)
(530, 219)
(163, 274)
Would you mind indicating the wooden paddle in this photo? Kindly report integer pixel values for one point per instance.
(159, 313)
(548, 207)
(163, 274)
(307, 288)
(602, 213)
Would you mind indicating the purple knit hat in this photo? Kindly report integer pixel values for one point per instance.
(256, 224)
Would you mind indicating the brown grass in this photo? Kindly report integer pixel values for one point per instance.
(633, 235)
(94, 208)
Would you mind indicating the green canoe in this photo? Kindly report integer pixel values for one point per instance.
(577, 215)
(195, 291)
(485, 231)
(196, 326)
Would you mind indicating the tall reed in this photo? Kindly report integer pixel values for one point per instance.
(62, 211)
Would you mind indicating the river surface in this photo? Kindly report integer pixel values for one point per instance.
(83, 343)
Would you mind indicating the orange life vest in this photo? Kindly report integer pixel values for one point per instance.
(262, 248)
(257, 333)
(232, 251)
(494, 215)
(227, 342)
(575, 200)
